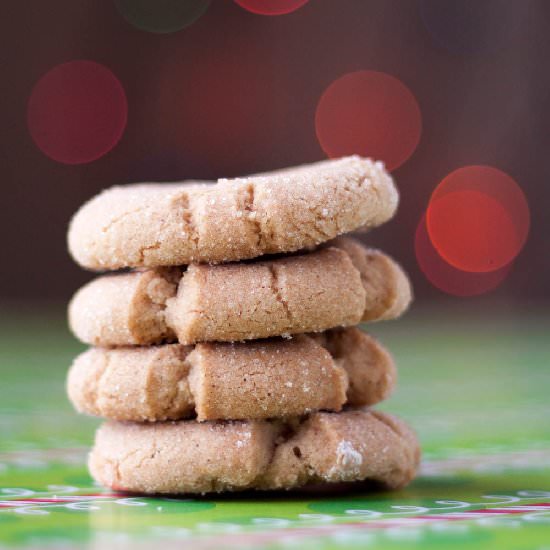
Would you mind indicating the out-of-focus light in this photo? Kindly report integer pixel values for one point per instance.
(161, 16)
(466, 27)
(77, 112)
(478, 219)
(369, 113)
(447, 278)
(271, 7)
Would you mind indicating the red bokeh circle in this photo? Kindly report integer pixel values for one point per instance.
(369, 113)
(77, 112)
(447, 278)
(478, 219)
(271, 7)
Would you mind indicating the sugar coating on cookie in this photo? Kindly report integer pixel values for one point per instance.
(339, 285)
(289, 295)
(253, 380)
(126, 308)
(190, 457)
(387, 287)
(149, 225)
(369, 366)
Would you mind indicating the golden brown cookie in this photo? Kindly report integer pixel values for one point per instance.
(387, 287)
(191, 457)
(254, 380)
(339, 285)
(178, 224)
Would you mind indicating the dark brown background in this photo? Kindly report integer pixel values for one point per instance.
(236, 93)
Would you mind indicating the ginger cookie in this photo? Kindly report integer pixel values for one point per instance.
(341, 284)
(192, 457)
(218, 381)
(150, 225)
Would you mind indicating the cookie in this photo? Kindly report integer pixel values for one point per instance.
(149, 225)
(387, 287)
(191, 457)
(339, 285)
(124, 309)
(254, 380)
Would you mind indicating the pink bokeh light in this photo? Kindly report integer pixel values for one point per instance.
(271, 7)
(77, 112)
(369, 113)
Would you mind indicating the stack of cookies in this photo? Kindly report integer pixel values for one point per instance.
(225, 355)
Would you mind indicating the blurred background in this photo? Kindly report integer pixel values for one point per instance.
(452, 96)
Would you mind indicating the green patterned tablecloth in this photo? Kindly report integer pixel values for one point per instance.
(477, 392)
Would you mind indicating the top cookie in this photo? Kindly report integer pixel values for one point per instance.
(181, 223)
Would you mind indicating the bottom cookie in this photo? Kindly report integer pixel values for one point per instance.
(192, 457)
